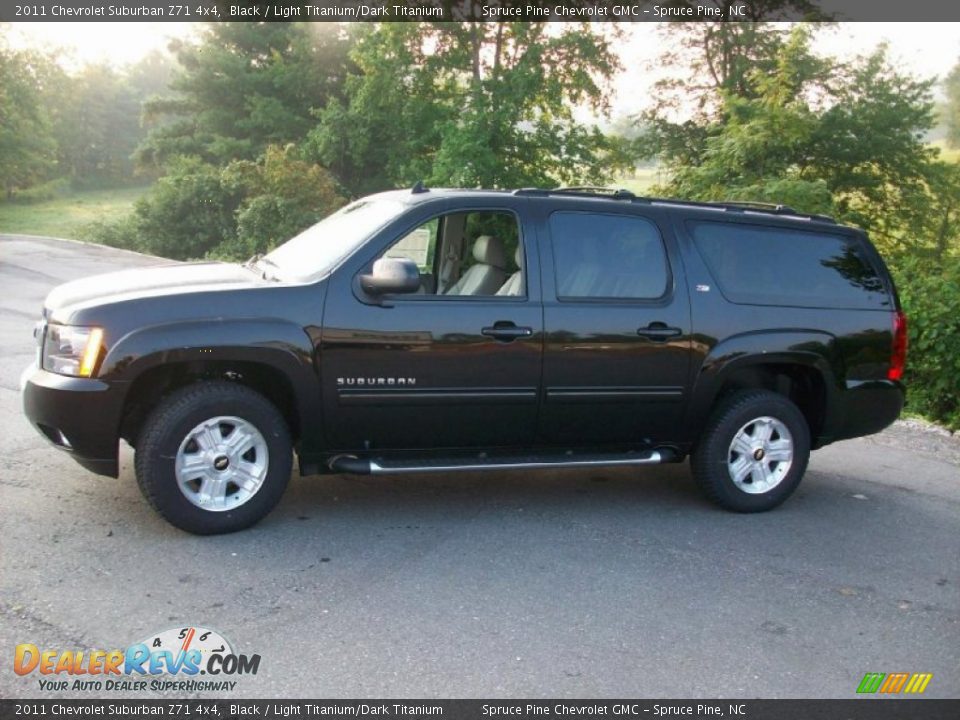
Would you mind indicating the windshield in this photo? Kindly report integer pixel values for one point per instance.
(320, 247)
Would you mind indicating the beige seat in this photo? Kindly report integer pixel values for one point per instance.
(514, 284)
(487, 275)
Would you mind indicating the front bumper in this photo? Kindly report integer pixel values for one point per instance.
(78, 415)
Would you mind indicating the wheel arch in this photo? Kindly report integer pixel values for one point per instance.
(272, 358)
(798, 365)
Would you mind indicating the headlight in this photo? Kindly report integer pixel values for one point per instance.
(71, 350)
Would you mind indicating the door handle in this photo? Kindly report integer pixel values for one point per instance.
(658, 332)
(506, 331)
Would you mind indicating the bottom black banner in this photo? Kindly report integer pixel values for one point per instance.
(860, 709)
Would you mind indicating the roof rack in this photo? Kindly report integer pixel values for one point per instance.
(725, 205)
(615, 193)
(754, 205)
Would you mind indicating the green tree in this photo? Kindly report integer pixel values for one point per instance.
(471, 104)
(190, 211)
(951, 86)
(711, 61)
(27, 145)
(97, 126)
(244, 86)
(198, 210)
(826, 137)
(283, 196)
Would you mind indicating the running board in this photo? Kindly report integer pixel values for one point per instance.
(381, 466)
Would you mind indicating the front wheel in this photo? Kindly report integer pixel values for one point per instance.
(214, 457)
(753, 452)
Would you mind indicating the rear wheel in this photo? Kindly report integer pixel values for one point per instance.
(214, 457)
(753, 452)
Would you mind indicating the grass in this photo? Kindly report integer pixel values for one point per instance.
(947, 153)
(65, 216)
(640, 181)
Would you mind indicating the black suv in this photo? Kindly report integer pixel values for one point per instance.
(442, 330)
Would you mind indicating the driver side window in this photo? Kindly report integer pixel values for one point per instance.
(420, 245)
(466, 254)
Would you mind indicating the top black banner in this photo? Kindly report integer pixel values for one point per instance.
(478, 10)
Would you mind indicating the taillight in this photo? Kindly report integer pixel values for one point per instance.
(898, 353)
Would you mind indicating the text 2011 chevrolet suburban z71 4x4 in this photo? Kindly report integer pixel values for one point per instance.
(441, 330)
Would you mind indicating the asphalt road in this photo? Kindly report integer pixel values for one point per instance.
(517, 584)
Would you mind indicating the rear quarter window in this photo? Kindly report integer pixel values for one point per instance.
(761, 265)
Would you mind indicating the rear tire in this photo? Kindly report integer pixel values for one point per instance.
(753, 451)
(214, 457)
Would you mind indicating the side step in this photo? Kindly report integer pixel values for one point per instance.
(381, 466)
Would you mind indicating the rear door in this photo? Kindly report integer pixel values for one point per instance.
(617, 327)
(436, 369)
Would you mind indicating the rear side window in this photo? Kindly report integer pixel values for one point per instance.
(777, 266)
(607, 256)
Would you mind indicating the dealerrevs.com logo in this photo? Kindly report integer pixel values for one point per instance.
(183, 659)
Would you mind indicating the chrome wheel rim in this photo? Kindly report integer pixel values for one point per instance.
(221, 463)
(760, 455)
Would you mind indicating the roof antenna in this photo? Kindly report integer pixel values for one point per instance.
(419, 188)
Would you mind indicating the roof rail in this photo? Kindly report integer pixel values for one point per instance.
(595, 191)
(754, 205)
(727, 205)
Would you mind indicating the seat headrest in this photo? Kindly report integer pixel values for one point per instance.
(489, 251)
(518, 256)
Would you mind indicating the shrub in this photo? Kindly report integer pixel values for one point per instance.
(930, 294)
(50, 190)
(189, 212)
(122, 233)
(200, 210)
(284, 195)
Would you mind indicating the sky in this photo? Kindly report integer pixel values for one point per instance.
(926, 49)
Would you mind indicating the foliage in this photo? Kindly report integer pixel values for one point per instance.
(189, 212)
(27, 147)
(283, 196)
(469, 104)
(44, 192)
(247, 207)
(846, 138)
(930, 293)
(96, 124)
(713, 60)
(824, 136)
(81, 124)
(951, 86)
(244, 86)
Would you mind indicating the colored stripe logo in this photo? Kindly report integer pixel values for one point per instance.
(894, 683)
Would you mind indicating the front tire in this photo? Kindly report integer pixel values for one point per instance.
(753, 451)
(214, 457)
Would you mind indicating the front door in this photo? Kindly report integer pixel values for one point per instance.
(456, 365)
(617, 330)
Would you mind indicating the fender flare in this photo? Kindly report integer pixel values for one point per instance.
(280, 345)
(810, 348)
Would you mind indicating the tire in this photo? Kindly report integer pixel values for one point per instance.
(214, 457)
(745, 477)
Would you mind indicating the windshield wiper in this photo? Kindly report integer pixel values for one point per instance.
(253, 262)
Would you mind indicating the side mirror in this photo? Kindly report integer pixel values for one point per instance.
(390, 276)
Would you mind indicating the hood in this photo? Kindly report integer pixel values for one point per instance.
(169, 279)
